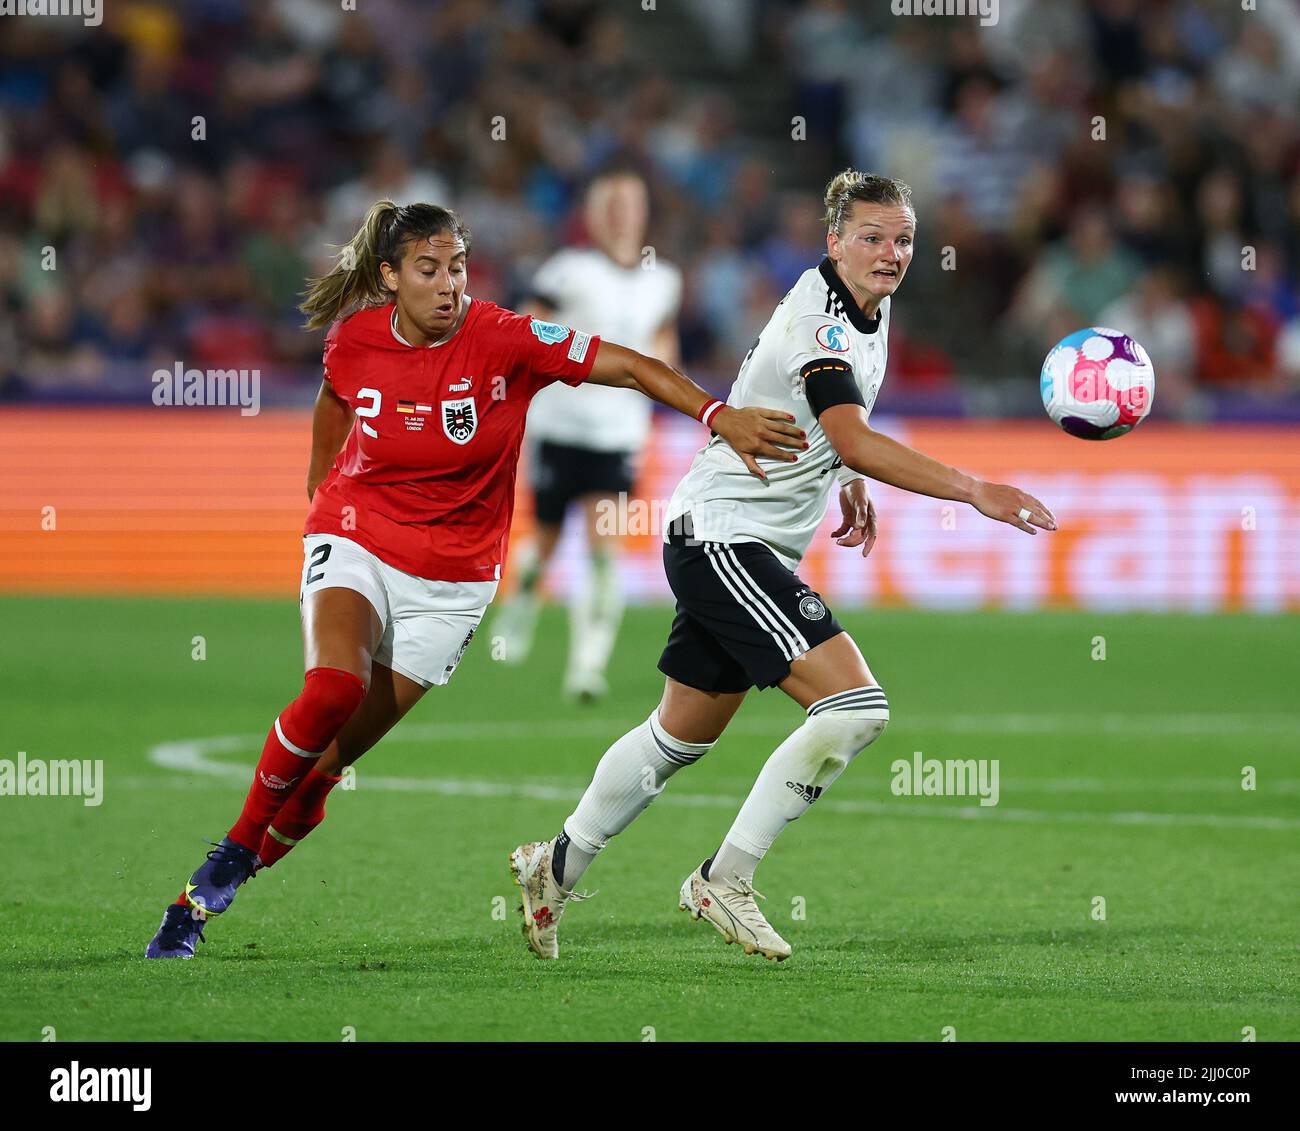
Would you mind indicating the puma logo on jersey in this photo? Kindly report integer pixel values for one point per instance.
(462, 386)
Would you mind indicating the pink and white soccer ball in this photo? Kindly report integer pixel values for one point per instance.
(1098, 384)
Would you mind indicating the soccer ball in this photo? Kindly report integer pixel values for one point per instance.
(1098, 384)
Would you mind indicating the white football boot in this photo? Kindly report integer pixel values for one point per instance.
(543, 899)
(585, 685)
(734, 912)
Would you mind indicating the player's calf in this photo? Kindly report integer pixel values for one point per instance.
(301, 733)
(302, 812)
(803, 767)
(630, 775)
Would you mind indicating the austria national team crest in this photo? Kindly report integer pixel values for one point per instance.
(459, 420)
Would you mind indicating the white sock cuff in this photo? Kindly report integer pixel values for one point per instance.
(858, 703)
(588, 844)
(674, 749)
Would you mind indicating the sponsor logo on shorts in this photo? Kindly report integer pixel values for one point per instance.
(811, 607)
(548, 333)
(459, 420)
(460, 654)
(832, 336)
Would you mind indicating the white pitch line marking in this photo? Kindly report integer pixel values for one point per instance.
(195, 756)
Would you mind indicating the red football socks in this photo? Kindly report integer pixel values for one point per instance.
(301, 734)
(302, 812)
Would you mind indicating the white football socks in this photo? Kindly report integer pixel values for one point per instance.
(595, 611)
(630, 776)
(516, 622)
(838, 728)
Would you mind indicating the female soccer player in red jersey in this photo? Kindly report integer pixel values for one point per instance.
(415, 444)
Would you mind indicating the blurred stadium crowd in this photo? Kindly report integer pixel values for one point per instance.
(1133, 163)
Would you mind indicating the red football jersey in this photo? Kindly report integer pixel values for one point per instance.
(426, 479)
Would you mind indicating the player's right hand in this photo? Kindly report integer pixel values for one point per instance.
(760, 432)
(1005, 503)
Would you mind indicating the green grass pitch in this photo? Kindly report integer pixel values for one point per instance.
(1119, 778)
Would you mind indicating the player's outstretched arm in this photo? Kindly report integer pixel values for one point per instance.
(875, 454)
(750, 431)
(330, 423)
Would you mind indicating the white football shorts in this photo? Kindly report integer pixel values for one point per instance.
(427, 624)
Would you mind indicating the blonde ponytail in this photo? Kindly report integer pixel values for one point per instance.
(851, 185)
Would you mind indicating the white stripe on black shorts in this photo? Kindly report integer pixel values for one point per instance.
(742, 617)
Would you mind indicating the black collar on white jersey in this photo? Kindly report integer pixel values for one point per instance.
(840, 301)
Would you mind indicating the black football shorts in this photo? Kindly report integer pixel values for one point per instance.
(560, 474)
(742, 617)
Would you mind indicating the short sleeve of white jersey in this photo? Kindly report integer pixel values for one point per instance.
(553, 279)
(812, 336)
(672, 292)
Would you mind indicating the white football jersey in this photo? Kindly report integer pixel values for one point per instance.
(817, 320)
(624, 305)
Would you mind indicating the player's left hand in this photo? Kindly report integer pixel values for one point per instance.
(765, 432)
(859, 513)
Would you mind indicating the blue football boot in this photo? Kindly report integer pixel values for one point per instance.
(213, 886)
(181, 930)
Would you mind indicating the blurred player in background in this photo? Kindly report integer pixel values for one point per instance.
(586, 442)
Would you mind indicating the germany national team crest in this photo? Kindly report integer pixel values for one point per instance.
(459, 420)
(811, 608)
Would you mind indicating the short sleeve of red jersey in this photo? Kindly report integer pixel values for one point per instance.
(546, 352)
(337, 362)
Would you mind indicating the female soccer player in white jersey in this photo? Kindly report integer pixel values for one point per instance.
(744, 619)
(584, 442)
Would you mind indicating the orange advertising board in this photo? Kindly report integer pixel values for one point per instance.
(180, 501)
